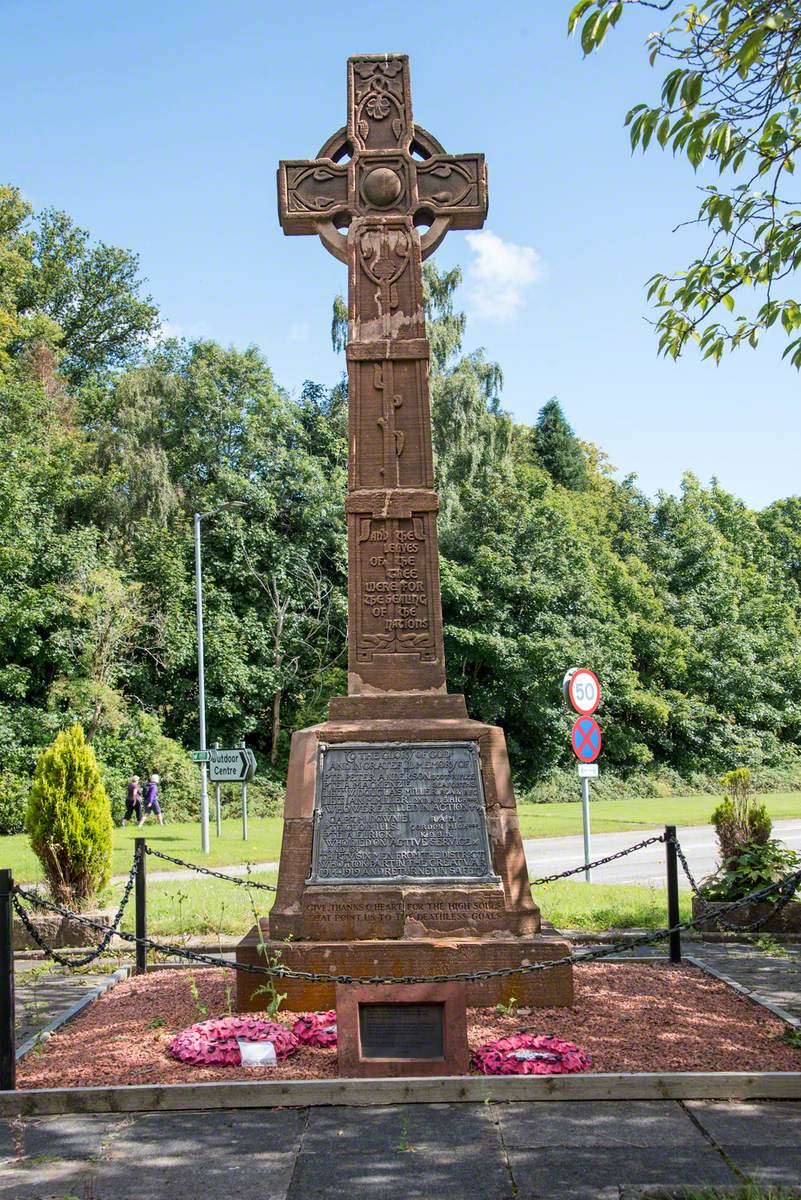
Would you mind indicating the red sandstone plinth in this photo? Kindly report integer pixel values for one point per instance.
(395, 929)
(552, 987)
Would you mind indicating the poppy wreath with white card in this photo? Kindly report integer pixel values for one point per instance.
(530, 1054)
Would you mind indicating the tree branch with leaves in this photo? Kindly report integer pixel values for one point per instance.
(730, 100)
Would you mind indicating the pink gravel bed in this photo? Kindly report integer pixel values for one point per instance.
(628, 1016)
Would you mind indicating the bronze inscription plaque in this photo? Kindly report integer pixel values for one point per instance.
(402, 812)
(401, 1030)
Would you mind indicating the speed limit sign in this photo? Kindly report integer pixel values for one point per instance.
(583, 690)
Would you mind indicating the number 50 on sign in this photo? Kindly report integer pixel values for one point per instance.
(582, 690)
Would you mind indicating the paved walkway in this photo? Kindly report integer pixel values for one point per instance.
(546, 856)
(774, 978)
(42, 992)
(518, 1151)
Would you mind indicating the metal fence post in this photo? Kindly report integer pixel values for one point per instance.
(140, 845)
(671, 863)
(8, 1055)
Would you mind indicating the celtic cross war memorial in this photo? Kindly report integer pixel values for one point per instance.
(401, 850)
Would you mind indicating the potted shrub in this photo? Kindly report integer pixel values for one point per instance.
(750, 859)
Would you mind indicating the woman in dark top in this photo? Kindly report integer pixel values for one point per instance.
(133, 803)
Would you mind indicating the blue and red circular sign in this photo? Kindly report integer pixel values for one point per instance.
(585, 738)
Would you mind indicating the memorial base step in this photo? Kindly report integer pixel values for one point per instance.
(548, 988)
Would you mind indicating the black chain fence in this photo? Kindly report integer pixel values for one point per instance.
(599, 862)
(786, 885)
(109, 931)
(240, 880)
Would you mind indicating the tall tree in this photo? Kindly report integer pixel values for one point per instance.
(730, 101)
(92, 293)
(558, 448)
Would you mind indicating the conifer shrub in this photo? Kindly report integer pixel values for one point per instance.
(68, 819)
(740, 821)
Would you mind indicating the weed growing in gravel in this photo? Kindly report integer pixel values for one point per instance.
(267, 988)
(791, 1037)
(200, 1009)
(507, 1009)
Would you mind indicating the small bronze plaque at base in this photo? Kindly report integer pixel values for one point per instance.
(402, 1029)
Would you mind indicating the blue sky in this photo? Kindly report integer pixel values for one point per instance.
(158, 126)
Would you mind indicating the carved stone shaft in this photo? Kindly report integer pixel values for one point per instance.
(397, 177)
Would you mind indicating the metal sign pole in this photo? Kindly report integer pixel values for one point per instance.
(217, 799)
(244, 804)
(585, 813)
(201, 688)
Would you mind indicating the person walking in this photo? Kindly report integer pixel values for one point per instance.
(152, 800)
(133, 801)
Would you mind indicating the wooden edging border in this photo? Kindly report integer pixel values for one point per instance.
(68, 1013)
(303, 1093)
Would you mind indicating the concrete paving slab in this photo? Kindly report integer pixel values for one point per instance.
(70, 1137)
(7, 1138)
(772, 1166)
(766, 1123)
(390, 1129)
(220, 1131)
(596, 1123)
(49, 1181)
(260, 1176)
(426, 1173)
(586, 1173)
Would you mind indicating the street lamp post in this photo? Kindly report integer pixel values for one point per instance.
(201, 681)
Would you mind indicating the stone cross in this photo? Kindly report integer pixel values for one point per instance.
(383, 179)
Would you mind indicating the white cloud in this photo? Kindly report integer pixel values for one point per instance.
(171, 329)
(499, 275)
(299, 331)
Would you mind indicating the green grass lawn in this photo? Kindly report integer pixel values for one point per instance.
(181, 840)
(614, 816)
(184, 907)
(570, 904)
(180, 907)
(264, 842)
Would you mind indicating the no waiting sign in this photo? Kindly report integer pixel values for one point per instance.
(585, 738)
(583, 690)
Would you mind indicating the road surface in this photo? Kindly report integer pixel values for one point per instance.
(546, 856)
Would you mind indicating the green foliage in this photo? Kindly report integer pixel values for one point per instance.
(730, 102)
(68, 819)
(558, 448)
(14, 790)
(687, 606)
(756, 866)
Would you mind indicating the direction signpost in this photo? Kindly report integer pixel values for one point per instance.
(582, 691)
(232, 766)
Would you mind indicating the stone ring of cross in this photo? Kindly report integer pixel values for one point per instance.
(381, 188)
(381, 165)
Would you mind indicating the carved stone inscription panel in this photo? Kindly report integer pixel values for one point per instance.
(395, 574)
(400, 812)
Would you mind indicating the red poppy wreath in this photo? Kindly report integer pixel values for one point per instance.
(530, 1054)
(214, 1043)
(317, 1029)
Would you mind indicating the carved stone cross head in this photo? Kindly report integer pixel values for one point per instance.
(381, 165)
